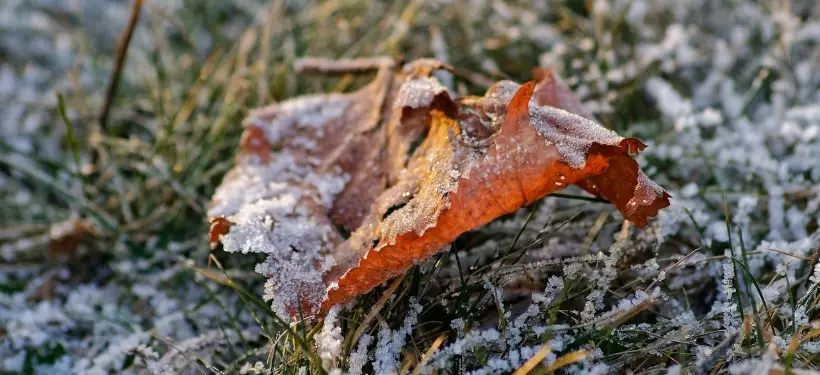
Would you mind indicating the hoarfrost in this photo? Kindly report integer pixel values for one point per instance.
(359, 358)
(272, 214)
(419, 92)
(329, 339)
(390, 343)
(571, 134)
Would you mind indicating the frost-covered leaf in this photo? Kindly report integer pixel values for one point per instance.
(344, 191)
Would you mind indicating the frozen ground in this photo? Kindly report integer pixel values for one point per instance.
(104, 263)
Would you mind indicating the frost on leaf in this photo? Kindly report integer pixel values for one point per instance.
(344, 191)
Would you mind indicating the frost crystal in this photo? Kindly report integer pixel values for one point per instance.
(390, 343)
(570, 133)
(329, 339)
(255, 368)
(419, 92)
(359, 358)
(272, 215)
(729, 308)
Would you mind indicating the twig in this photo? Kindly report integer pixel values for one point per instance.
(578, 197)
(331, 66)
(119, 61)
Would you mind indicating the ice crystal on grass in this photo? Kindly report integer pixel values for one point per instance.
(252, 368)
(471, 341)
(602, 279)
(360, 357)
(540, 302)
(390, 343)
(113, 357)
(513, 359)
(329, 339)
(729, 307)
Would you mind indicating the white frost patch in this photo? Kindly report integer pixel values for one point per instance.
(391, 343)
(359, 358)
(255, 368)
(473, 339)
(273, 210)
(116, 353)
(625, 306)
(571, 134)
(668, 100)
(418, 92)
(516, 331)
(329, 339)
(305, 113)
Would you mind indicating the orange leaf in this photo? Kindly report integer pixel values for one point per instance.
(344, 191)
(219, 226)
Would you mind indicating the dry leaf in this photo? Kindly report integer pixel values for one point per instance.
(344, 191)
(64, 237)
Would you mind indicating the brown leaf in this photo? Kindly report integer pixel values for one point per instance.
(64, 237)
(623, 184)
(344, 191)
